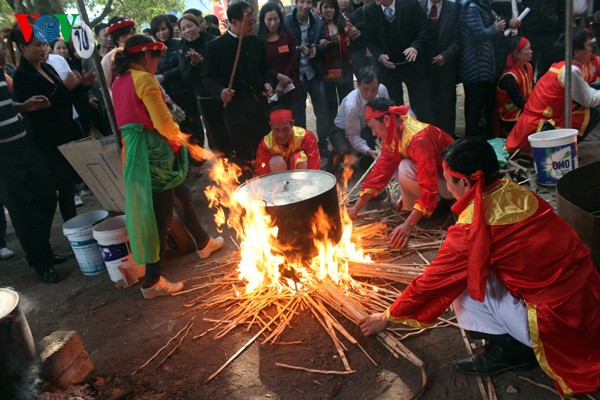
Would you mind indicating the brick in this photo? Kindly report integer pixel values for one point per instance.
(76, 372)
(58, 351)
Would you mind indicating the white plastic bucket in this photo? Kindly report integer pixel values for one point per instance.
(113, 240)
(554, 154)
(78, 231)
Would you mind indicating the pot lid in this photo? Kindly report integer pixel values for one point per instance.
(8, 301)
(287, 187)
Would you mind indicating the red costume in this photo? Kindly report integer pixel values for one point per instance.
(547, 104)
(302, 147)
(507, 110)
(417, 141)
(591, 70)
(541, 260)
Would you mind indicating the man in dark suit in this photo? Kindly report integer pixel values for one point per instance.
(397, 32)
(245, 112)
(443, 53)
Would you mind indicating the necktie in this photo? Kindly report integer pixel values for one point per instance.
(389, 13)
(433, 15)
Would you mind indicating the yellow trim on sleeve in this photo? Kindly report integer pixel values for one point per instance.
(302, 157)
(423, 210)
(368, 191)
(408, 321)
(540, 353)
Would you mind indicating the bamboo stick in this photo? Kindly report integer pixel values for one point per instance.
(162, 348)
(177, 345)
(237, 54)
(315, 371)
(233, 357)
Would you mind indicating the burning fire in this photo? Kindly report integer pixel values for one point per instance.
(262, 256)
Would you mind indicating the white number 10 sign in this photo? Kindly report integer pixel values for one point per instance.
(83, 41)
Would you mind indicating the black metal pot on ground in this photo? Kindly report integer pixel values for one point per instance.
(292, 199)
(18, 358)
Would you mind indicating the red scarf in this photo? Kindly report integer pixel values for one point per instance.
(479, 235)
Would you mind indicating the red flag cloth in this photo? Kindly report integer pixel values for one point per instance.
(479, 236)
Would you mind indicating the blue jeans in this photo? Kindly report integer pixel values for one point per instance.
(316, 89)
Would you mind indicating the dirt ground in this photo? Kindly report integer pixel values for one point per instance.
(121, 330)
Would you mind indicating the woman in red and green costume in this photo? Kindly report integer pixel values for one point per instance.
(155, 162)
(518, 275)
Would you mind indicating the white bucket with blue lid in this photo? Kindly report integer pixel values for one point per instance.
(78, 231)
(112, 237)
(554, 154)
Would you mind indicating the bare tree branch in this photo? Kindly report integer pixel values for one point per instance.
(105, 12)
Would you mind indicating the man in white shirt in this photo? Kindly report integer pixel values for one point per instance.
(350, 130)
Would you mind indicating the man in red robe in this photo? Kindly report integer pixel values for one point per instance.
(518, 275)
(545, 107)
(286, 147)
(412, 150)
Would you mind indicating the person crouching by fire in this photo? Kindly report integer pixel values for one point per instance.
(539, 305)
(286, 147)
(412, 150)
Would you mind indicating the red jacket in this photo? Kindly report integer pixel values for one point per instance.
(420, 142)
(303, 147)
(541, 260)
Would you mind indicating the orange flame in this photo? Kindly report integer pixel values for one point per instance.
(263, 258)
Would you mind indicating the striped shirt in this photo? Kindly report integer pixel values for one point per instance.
(11, 127)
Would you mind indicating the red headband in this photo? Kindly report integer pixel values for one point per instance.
(118, 25)
(140, 48)
(281, 115)
(371, 113)
(479, 235)
(510, 60)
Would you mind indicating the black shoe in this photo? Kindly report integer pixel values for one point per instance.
(56, 259)
(493, 360)
(48, 274)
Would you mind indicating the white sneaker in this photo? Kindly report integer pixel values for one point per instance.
(162, 288)
(6, 253)
(78, 201)
(212, 246)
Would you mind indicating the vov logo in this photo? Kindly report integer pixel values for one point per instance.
(46, 27)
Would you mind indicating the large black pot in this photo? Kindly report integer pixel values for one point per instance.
(292, 199)
(17, 350)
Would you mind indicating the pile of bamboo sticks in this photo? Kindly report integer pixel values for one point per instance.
(224, 303)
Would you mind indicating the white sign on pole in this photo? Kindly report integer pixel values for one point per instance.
(83, 41)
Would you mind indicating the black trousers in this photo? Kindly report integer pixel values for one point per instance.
(216, 131)
(245, 137)
(444, 105)
(545, 52)
(28, 193)
(342, 147)
(479, 105)
(418, 85)
(65, 178)
(163, 202)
